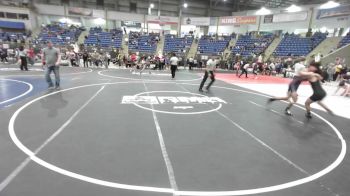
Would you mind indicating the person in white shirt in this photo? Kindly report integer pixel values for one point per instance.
(211, 66)
(245, 70)
(190, 63)
(272, 68)
(71, 56)
(300, 75)
(144, 62)
(173, 65)
(22, 54)
(260, 59)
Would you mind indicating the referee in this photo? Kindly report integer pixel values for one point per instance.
(210, 68)
(174, 61)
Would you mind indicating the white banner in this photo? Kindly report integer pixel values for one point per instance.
(113, 15)
(98, 13)
(50, 9)
(162, 19)
(197, 21)
(290, 17)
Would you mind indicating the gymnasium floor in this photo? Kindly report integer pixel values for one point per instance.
(111, 132)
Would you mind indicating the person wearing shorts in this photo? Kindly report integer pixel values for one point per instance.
(300, 74)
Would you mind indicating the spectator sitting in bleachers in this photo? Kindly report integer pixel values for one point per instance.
(295, 45)
(345, 41)
(247, 45)
(210, 45)
(58, 35)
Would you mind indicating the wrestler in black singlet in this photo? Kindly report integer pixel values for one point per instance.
(319, 92)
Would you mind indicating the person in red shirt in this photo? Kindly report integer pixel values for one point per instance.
(31, 56)
(133, 59)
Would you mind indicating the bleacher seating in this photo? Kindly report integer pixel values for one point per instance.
(247, 45)
(12, 36)
(210, 46)
(97, 37)
(143, 43)
(177, 45)
(58, 35)
(345, 41)
(294, 45)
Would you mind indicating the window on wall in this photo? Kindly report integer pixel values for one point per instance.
(2, 15)
(23, 16)
(133, 7)
(11, 15)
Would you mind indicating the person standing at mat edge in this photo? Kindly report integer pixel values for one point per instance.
(211, 66)
(173, 65)
(22, 55)
(51, 59)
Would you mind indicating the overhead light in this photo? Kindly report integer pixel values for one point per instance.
(65, 20)
(100, 21)
(263, 11)
(329, 5)
(224, 0)
(151, 5)
(185, 5)
(293, 8)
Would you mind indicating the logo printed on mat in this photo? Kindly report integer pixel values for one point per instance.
(171, 102)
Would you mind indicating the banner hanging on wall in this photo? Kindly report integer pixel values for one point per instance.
(79, 11)
(290, 17)
(98, 13)
(131, 24)
(237, 20)
(162, 20)
(197, 21)
(268, 19)
(334, 12)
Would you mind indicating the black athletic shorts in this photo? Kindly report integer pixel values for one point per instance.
(294, 84)
(318, 96)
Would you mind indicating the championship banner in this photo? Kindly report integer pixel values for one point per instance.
(197, 21)
(79, 11)
(334, 12)
(237, 20)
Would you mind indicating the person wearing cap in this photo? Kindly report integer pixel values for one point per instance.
(51, 59)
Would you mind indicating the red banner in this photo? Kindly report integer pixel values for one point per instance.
(237, 20)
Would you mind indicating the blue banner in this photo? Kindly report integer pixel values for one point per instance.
(12, 25)
(334, 12)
